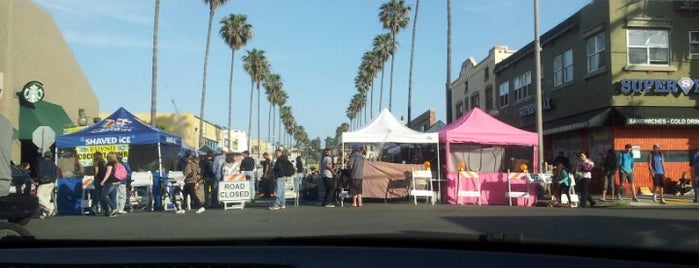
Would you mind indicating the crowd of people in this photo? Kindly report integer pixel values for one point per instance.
(567, 177)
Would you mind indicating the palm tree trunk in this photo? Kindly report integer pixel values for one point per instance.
(203, 83)
(279, 128)
(269, 122)
(371, 102)
(449, 111)
(258, 117)
(252, 89)
(393, 59)
(154, 78)
(230, 99)
(412, 55)
(381, 92)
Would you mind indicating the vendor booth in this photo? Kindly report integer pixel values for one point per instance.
(144, 147)
(383, 179)
(488, 156)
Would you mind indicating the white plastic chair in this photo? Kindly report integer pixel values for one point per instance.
(512, 194)
(176, 180)
(421, 186)
(472, 175)
(88, 185)
(142, 180)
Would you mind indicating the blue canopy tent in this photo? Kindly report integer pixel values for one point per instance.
(147, 145)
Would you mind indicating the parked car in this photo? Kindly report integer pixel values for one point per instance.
(22, 203)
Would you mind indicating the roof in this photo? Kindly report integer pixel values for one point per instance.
(386, 128)
(478, 127)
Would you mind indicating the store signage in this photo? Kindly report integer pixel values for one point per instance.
(660, 86)
(529, 109)
(663, 121)
(86, 153)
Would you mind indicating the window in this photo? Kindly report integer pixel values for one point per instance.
(521, 86)
(648, 47)
(504, 96)
(475, 101)
(563, 68)
(595, 53)
(486, 73)
(459, 109)
(488, 98)
(694, 45)
(466, 87)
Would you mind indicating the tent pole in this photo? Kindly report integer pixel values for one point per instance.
(160, 160)
(439, 176)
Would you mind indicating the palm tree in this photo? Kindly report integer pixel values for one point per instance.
(257, 66)
(213, 5)
(371, 64)
(154, 77)
(384, 47)
(412, 55)
(394, 16)
(236, 32)
(272, 84)
(279, 101)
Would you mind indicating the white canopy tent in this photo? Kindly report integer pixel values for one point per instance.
(385, 128)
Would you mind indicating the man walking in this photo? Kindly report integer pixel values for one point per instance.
(656, 166)
(356, 168)
(247, 167)
(327, 172)
(694, 163)
(626, 171)
(46, 176)
(210, 182)
(282, 168)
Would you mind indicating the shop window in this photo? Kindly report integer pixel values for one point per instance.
(522, 86)
(563, 67)
(504, 96)
(595, 53)
(648, 47)
(694, 44)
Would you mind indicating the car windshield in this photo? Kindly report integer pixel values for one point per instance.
(541, 121)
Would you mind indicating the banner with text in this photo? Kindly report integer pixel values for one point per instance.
(86, 153)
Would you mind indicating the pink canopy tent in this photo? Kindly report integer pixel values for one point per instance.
(478, 128)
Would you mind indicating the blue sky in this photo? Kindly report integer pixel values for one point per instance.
(315, 45)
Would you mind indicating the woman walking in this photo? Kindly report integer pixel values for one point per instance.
(110, 184)
(99, 170)
(584, 169)
(191, 173)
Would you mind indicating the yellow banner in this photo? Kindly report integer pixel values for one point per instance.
(69, 130)
(86, 153)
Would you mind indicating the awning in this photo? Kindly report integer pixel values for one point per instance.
(594, 118)
(657, 116)
(42, 114)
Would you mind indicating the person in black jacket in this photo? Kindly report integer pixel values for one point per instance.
(610, 168)
(281, 170)
(46, 176)
(210, 183)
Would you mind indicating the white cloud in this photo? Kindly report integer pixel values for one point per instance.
(135, 12)
(106, 40)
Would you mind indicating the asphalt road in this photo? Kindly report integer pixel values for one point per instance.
(666, 227)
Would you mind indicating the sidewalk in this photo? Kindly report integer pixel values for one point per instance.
(647, 201)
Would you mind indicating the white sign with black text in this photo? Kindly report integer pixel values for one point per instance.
(234, 191)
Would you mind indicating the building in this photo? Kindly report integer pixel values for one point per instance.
(34, 55)
(613, 73)
(424, 121)
(186, 125)
(475, 85)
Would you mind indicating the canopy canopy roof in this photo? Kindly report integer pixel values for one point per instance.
(478, 127)
(386, 128)
(121, 127)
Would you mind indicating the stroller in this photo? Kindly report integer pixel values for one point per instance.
(342, 182)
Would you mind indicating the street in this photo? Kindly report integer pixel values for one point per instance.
(668, 227)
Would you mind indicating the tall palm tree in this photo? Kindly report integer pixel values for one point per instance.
(394, 16)
(213, 5)
(371, 65)
(272, 84)
(236, 32)
(280, 100)
(384, 47)
(412, 55)
(257, 66)
(154, 75)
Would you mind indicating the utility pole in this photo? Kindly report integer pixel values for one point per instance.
(537, 83)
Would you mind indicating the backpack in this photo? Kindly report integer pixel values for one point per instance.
(120, 172)
(289, 168)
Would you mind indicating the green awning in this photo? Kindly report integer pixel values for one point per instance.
(42, 114)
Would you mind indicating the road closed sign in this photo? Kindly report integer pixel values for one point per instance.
(234, 191)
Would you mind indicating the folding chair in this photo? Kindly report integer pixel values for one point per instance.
(472, 193)
(421, 186)
(174, 197)
(142, 181)
(514, 176)
(88, 186)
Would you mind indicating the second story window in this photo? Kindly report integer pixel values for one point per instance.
(475, 101)
(595, 53)
(522, 86)
(694, 44)
(486, 73)
(488, 98)
(563, 68)
(504, 94)
(459, 109)
(648, 47)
